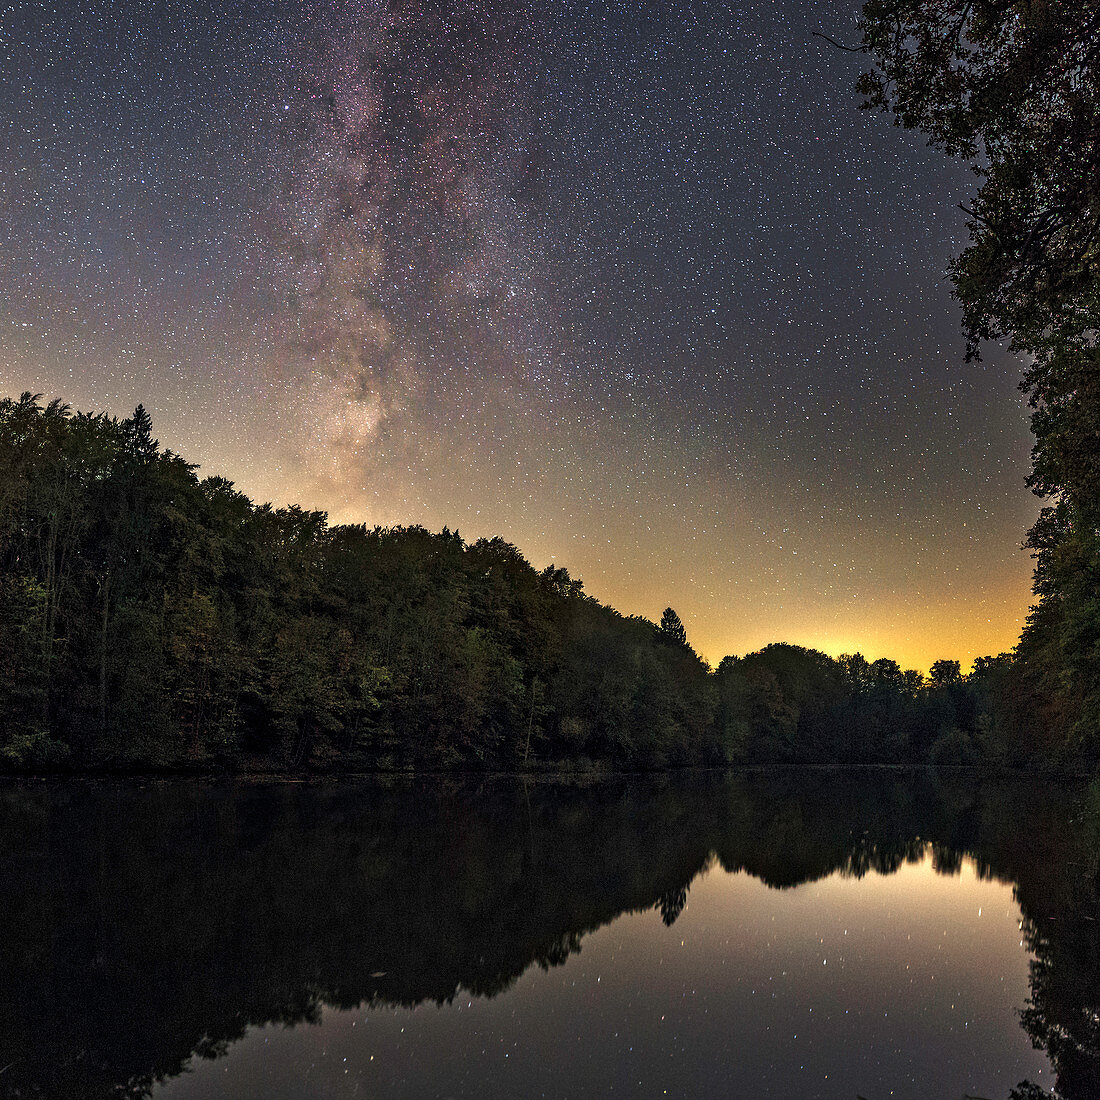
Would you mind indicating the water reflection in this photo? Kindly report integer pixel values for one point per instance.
(147, 923)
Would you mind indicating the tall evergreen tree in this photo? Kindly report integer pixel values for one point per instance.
(672, 630)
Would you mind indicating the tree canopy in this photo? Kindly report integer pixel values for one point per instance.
(1013, 87)
(150, 618)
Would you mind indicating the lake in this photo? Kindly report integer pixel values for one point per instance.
(800, 934)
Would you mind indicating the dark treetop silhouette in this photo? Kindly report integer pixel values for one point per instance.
(1015, 90)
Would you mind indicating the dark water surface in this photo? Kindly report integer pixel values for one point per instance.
(796, 935)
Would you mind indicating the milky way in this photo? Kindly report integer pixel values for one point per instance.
(405, 149)
(636, 286)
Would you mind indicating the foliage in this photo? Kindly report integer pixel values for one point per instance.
(150, 619)
(672, 628)
(153, 619)
(1014, 89)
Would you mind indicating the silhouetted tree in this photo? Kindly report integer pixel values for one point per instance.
(672, 630)
(1015, 90)
(944, 672)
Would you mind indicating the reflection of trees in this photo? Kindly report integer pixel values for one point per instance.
(1062, 928)
(1063, 1012)
(671, 904)
(144, 923)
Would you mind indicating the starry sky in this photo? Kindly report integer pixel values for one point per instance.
(635, 286)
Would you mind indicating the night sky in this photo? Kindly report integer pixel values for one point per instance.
(635, 286)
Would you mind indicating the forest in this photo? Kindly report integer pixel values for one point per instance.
(153, 619)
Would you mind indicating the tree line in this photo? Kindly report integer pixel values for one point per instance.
(150, 618)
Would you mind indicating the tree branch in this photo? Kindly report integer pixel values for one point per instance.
(840, 45)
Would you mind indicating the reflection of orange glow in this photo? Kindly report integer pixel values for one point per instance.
(915, 904)
(888, 985)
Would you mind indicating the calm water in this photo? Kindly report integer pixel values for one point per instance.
(812, 935)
